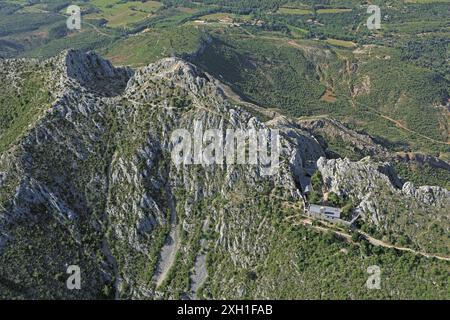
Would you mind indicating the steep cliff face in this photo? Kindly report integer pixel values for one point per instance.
(88, 179)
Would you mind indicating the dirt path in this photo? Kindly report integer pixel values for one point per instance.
(372, 240)
(402, 126)
(398, 124)
(309, 222)
(378, 242)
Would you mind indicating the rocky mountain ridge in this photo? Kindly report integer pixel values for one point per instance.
(90, 182)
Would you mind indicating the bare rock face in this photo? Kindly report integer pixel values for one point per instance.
(359, 179)
(430, 195)
(363, 87)
(88, 71)
(343, 176)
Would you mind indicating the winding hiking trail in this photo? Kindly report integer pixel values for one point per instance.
(398, 124)
(376, 242)
(402, 126)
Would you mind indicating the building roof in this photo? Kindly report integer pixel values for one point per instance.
(328, 211)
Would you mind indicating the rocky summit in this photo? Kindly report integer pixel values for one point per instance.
(87, 179)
